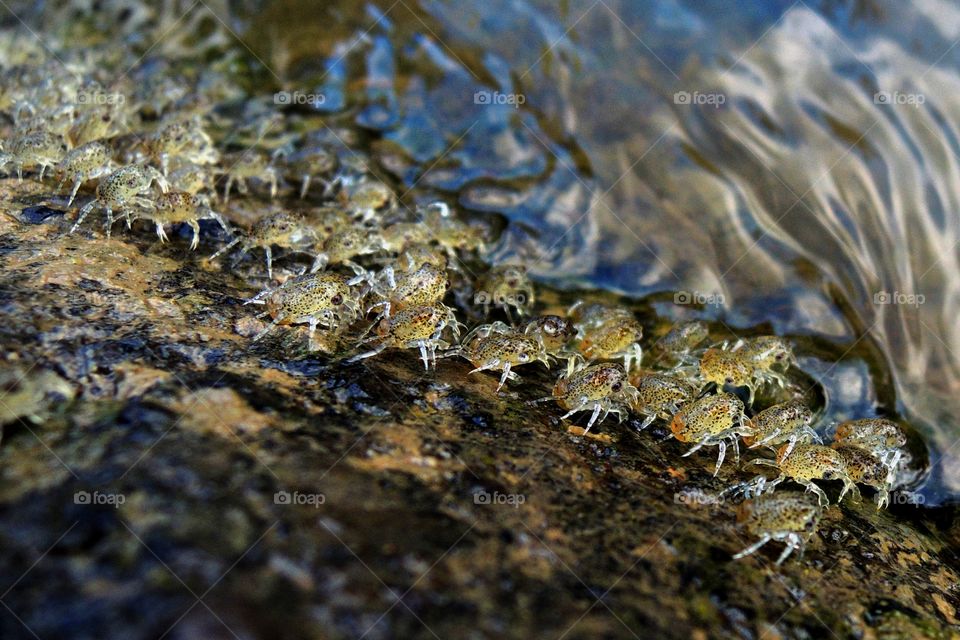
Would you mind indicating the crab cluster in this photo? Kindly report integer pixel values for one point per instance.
(348, 256)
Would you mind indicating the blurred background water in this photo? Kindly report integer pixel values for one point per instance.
(791, 166)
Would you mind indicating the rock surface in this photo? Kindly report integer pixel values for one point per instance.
(164, 477)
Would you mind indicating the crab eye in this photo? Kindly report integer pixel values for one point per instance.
(523, 357)
(512, 282)
(337, 299)
(616, 386)
(728, 380)
(779, 356)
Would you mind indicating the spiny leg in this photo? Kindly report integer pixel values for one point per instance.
(821, 494)
(503, 378)
(369, 354)
(792, 542)
(269, 253)
(87, 208)
(423, 354)
(754, 547)
(195, 241)
(722, 445)
(304, 185)
(226, 247)
(597, 407)
(160, 232)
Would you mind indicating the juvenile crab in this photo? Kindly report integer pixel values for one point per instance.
(86, 162)
(882, 437)
(595, 314)
(308, 163)
(554, 332)
(727, 368)
(502, 352)
(425, 285)
(866, 468)
(618, 337)
(505, 286)
(679, 343)
(39, 148)
(660, 396)
(315, 298)
(448, 231)
(808, 462)
(344, 245)
(281, 229)
(763, 354)
(184, 138)
(178, 206)
(791, 518)
(602, 388)
(785, 423)
(367, 197)
(711, 420)
(121, 190)
(249, 164)
(415, 327)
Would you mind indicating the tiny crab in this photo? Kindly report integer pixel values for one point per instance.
(882, 437)
(505, 286)
(554, 332)
(183, 138)
(660, 396)
(679, 343)
(326, 221)
(450, 232)
(791, 518)
(785, 423)
(616, 338)
(121, 190)
(249, 164)
(764, 353)
(281, 229)
(425, 285)
(727, 368)
(808, 462)
(178, 206)
(39, 148)
(711, 420)
(399, 235)
(343, 246)
(595, 314)
(866, 468)
(315, 298)
(415, 327)
(502, 352)
(86, 162)
(308, 163)
(601, 388)
(368, 197)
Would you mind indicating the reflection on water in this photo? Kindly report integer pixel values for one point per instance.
(790, 164)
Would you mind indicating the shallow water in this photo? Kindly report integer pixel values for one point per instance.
(783, 165)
